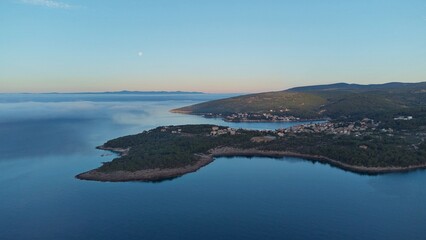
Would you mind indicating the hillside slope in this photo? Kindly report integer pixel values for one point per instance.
(296, 103)
(323, 101)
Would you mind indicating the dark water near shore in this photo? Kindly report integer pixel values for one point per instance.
(47, 139)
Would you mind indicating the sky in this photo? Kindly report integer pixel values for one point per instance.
(209, 46)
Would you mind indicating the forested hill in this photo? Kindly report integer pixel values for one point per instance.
(333, 101)
(360, 88)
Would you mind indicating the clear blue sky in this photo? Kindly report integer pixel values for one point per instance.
(212, 46)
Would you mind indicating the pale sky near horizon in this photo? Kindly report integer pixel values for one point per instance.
(209, 46)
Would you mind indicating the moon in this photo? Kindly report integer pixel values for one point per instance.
(140, 54)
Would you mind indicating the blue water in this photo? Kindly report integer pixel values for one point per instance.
(47, 139)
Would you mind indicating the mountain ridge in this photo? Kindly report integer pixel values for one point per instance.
(355, 86)
(321, 101)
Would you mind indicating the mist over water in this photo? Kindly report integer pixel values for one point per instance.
(46, 139)
(59, 124)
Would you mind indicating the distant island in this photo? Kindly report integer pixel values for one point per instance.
(369, 129)
(131, 92)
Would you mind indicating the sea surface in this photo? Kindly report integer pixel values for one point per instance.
(46, 139)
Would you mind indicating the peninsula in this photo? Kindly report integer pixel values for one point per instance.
(370, 129)
(172, 151)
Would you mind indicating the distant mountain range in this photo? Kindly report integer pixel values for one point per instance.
(131, 92)
(323, 101)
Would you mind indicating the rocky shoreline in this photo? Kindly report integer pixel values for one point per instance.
(232, 152)
(148, 175)
(119, 151)
(205, 159)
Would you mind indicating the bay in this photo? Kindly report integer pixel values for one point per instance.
(46, 139)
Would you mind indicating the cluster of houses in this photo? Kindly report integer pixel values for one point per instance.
(164, 129)
(217, 131)
(245, 117)
(403, 118)
(341, 128)
(356, 128)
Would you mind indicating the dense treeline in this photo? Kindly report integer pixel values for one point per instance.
(160, 148)
(376, 150)
(157, 149)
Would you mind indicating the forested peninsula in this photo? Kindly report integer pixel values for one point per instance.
(172, 151)
(369, 129)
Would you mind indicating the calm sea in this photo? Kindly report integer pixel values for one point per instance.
(46, 139)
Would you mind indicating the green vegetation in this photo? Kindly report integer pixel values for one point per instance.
(164, 149)
(305, 105)
(179, 146)
(326, 101)
(381, 150)
(380, 140)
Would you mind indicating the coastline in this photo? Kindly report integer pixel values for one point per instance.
(205, 159)
(119, 151)
(148, 175)
(181, 111)
(275, 121)
(234, 152)
(189, 112)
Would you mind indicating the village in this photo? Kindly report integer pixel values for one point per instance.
(360, 128)
(247, 117)
(356, 128)
(215, 131)
(253, 117)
